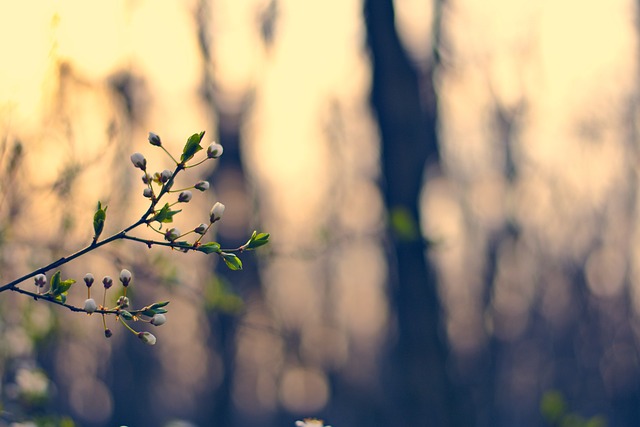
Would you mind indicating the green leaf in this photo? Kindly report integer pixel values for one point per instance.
(54, 284)
(257, 240)
(159, 304)
(65, 285)
(232, 261)
(98, 220)
(155, 308)
(126, 315)
(209, 248)
(191, 147)
(165, 214)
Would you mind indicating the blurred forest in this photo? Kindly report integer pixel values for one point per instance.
(451, 189)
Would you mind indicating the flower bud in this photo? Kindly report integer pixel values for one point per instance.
(108, 333)
(172, 234)
(158, 319)
(88, 279)
(147, 338)
(201, 229)
(154, 139)
(185, 196)
(146, 178)
(165, 175)
(123, 302)
(147, 192)
(40, 280)
(216, 212)
(202, 186)
(139, 161)
(107, 281)
(214, 150)
(90, 305)
(125, 277)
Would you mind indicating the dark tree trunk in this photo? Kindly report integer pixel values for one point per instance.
(420, 389)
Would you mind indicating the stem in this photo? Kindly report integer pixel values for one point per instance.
(169, 154)
(197, 164)
(46, 297)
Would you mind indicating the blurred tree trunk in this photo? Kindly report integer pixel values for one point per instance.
(230, 181)
(407, 117)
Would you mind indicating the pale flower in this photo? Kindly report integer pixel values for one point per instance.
(40, 280)
(165, 175)
(125, 277)
(172, 234)
(201, 229)
(88, 279)
(147, 338)
(154, 139)
(216, 212)
(202, 186)
(185, 196)
(139, 161)
(90, 305)
(214, 150)
(107, 281)
(158, 319)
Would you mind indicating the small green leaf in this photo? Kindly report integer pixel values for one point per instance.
(54, 284)
(209, 248)
(155, 308)
(159, 304)
(165, 214)
(65, 285)
(126, 315)
(98, 221)
(257, 240)
(232, 261)
(191, 147)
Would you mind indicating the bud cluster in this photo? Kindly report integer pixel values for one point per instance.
(157, 186)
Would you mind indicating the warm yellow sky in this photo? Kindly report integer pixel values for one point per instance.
(565, 70)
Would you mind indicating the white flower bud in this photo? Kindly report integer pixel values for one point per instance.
(158, 319)
(201, 229)
(154, 139)
(40, 280)
(147, 192)
(214, 150)
(139, 161)
(147, 338)
(88, 279)
(107, 281)
(216, 212)
(123, 302)
(165, 175)
(146, 178)
(125, 277)
(172, 234)
(90, 305)
(185, 196)
(202, 186)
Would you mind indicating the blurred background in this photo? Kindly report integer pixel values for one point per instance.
(451, 188)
